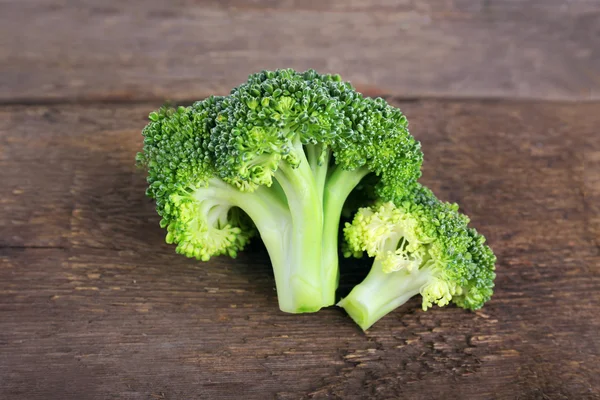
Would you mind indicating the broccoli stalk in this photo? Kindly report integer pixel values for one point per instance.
(380, 293)
(339, 186)
(302, 274)
(279, 155)
(420, 246)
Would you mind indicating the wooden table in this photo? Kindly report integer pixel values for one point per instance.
(503, 95)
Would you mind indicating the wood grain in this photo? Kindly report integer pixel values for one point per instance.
(111, 50)
(94, 304)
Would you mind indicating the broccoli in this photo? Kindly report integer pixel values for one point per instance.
(420, 245)
(277, 157)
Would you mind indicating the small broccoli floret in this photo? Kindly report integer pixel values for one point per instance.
(420, 245)
(283, 150)
(179, 173)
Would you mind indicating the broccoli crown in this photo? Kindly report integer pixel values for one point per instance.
(242, 139)
(422, 235)
(263, 120)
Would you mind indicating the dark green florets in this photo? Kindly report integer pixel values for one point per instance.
(174, 151)
(379, 140)
(479, 274)
(243, 137)
(467, 260)
(265, 120)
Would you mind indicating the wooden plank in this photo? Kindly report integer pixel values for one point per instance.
(61, 50)
(107, 310)
(44, 154)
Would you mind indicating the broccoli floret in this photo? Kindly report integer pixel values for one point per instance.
(420, 245)
(278, 156)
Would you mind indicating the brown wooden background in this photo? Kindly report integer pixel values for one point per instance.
(504, 96)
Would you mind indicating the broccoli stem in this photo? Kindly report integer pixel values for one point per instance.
(333, 188)
(337, 189)
(381, 292)
(304, 254)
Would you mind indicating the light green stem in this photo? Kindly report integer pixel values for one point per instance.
(304, 257)
(380, 293)
(337, 189)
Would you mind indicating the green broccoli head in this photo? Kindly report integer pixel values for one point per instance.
(264, 121)
(268, 120)
(420, 245)
(175, 153)
(279, 156)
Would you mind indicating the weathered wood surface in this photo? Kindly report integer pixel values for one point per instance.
(94, 305)
(113, 50)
